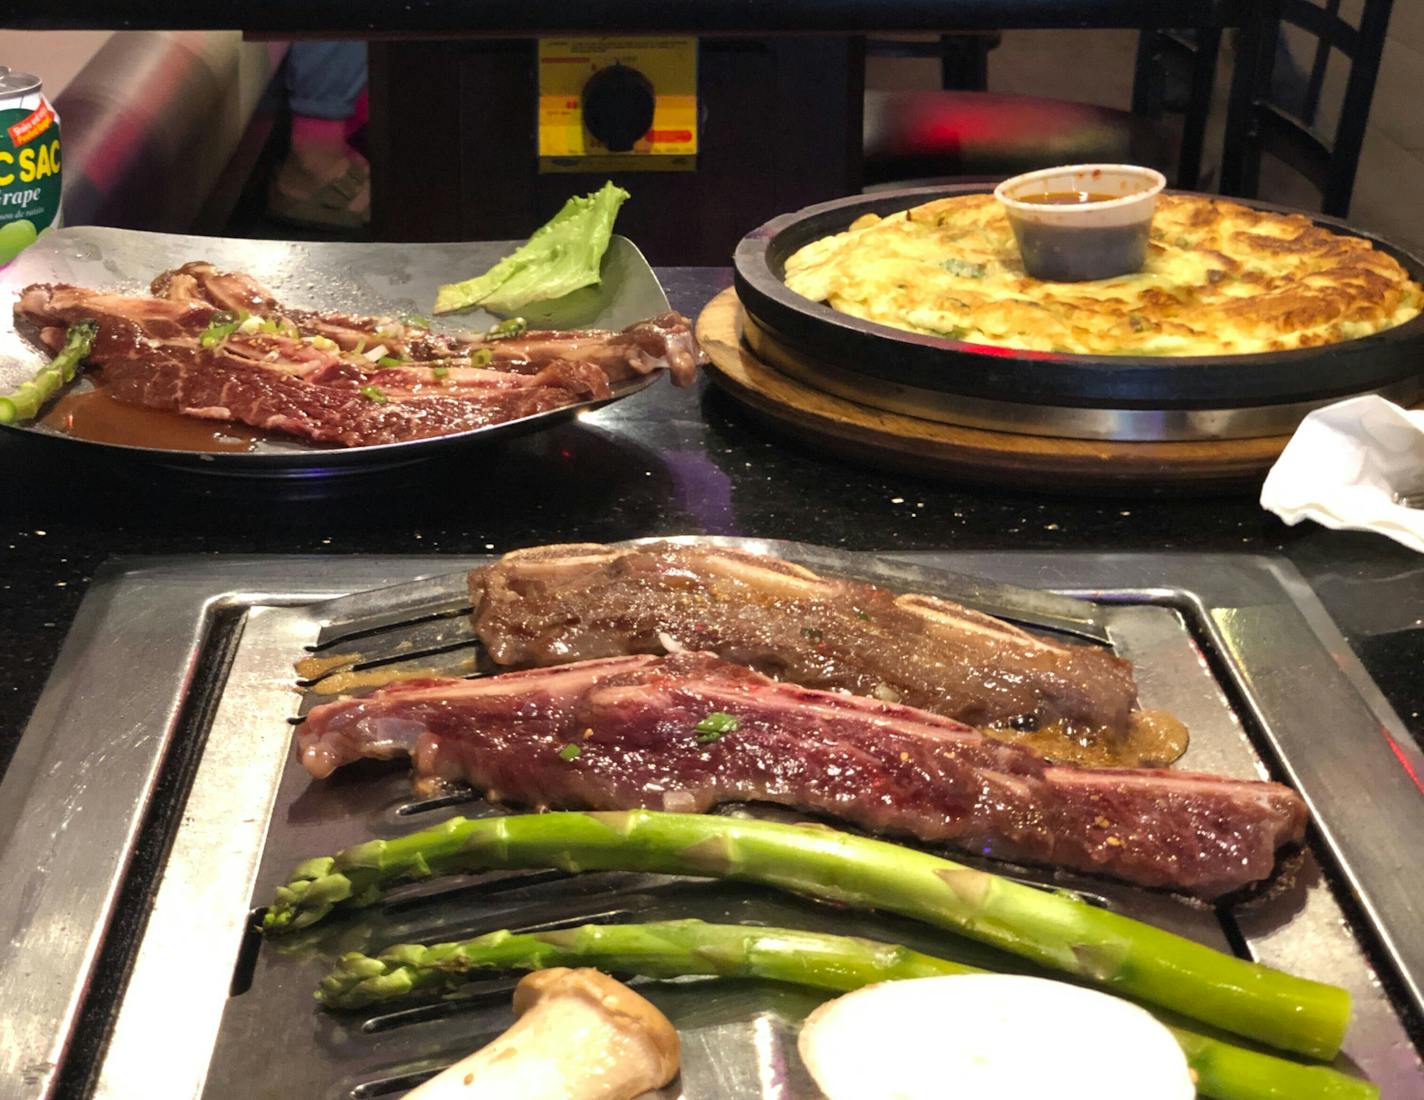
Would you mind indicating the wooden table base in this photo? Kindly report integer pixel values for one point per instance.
(944, 451)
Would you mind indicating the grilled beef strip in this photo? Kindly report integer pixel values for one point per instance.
(552, 604)
(150, 354)
(627, 732)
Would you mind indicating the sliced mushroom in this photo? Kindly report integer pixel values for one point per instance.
(580, 1036)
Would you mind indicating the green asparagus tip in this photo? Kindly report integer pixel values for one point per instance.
(358, 980)
(314, 868)
(314, 890)
(26, 400)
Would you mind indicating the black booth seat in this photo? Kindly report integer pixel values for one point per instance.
(921, 135)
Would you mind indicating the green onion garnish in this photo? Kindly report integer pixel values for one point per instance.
(964, 268)
(373, 393)
(513, 326)
(715, 726)
(481, 357)
(360, 346)
(440, 372)
(569, 752)
(222, 325)
(388, 361)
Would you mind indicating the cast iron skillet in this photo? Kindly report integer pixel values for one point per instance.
(1049, 378)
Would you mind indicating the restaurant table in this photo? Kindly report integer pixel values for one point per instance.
(666, 461)
(453, 97)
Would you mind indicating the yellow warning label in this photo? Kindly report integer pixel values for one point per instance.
(669, 65)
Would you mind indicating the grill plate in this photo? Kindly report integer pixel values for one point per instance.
(202, 810)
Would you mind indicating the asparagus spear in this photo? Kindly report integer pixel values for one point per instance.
(25, 401)
(839, 964)
(1052, 929)
(663, 949)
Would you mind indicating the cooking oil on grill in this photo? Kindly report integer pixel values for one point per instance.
(29, 163)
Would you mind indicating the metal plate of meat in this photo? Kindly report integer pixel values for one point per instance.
(148, 816)
(372, 279)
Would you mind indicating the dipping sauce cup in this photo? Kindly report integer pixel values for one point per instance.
(1082, 221)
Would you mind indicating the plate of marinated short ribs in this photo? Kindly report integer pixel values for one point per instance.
(278, 357)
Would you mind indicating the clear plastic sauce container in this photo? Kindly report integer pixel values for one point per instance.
(1082, 221)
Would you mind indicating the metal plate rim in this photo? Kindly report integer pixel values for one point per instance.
(324, 462)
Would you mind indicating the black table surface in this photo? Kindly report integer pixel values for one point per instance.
(664, 462)
(512, 18)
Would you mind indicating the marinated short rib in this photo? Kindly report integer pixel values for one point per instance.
(301, 373)
(623, 732)
(149, 353)
(202, 282)
(553, 604)
(660, 343)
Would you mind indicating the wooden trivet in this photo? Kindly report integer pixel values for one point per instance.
(926, 447)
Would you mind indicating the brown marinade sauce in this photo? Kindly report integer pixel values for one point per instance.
(94, 415)
(1153, 740)
(1067, 198)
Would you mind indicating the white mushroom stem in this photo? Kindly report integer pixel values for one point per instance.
(580, 1036)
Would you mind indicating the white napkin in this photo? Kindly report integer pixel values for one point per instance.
(1344, 465)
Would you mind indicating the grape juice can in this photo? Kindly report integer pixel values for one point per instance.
(29, 163)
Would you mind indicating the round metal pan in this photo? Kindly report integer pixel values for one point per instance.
(1046, 393)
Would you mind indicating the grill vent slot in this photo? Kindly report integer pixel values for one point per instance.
(390, 1086)
(246, 964)
(494, 993)
(375, 627)
(410, 809)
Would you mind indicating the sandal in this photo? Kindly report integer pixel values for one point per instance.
(328, 207)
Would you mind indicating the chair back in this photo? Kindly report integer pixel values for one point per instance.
(1292, 131)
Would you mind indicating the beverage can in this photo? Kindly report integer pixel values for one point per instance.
(29, 163)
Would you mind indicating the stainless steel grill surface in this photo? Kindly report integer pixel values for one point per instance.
(155, 801)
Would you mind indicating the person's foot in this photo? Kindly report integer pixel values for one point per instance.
(323, 182)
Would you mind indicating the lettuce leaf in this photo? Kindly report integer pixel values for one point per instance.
(560, 257)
